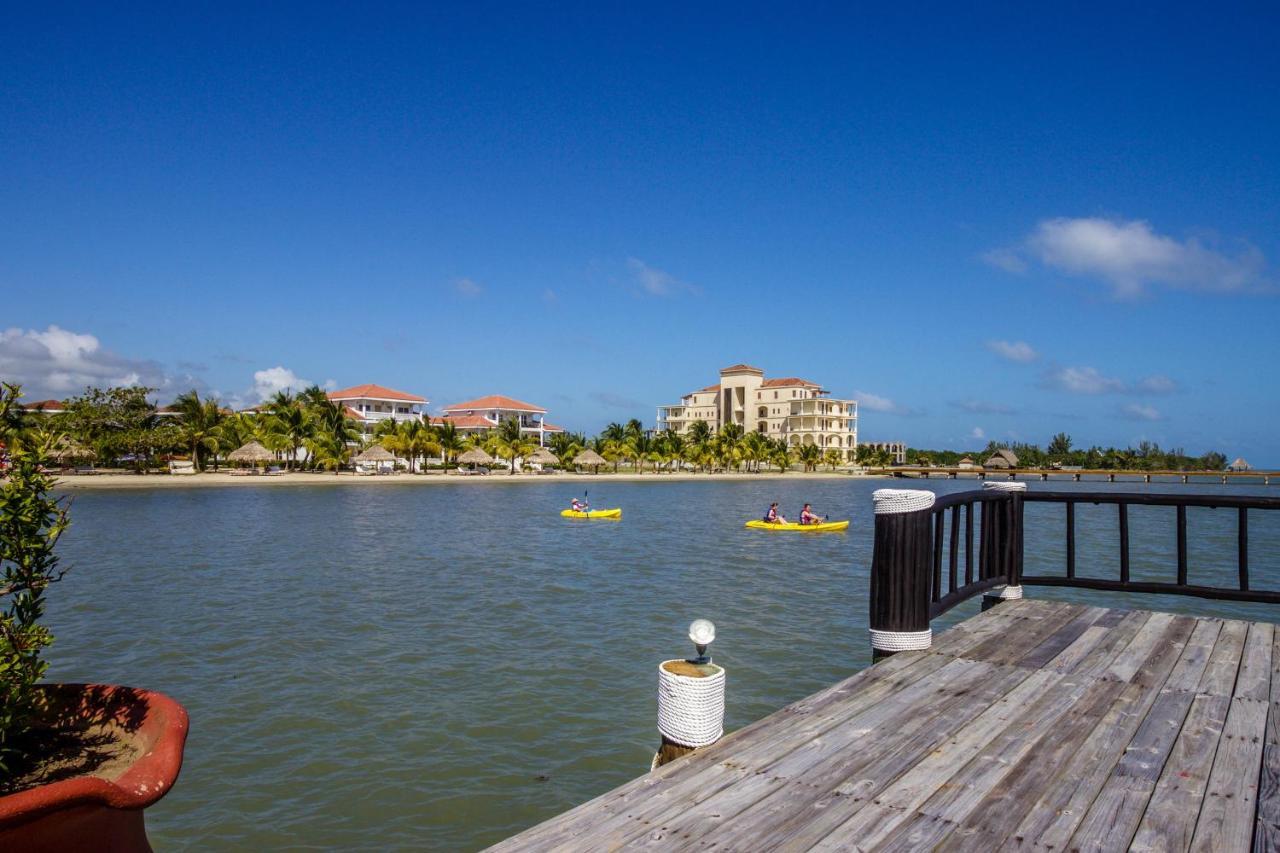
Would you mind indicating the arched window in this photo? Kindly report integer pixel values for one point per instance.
(762, 426)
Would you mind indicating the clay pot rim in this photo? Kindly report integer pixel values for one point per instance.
(148, 779)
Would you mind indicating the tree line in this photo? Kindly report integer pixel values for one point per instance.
(1060, 451)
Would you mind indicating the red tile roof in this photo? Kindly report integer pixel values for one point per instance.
(788, 381)
(552, 427)
(466, 421)
(374, 392)
(705, 390)
(740, 367)
(495, 401)
(349, 412)
(44, 406)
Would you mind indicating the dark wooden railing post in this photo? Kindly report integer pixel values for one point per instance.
(901, 570)
(1006, 543)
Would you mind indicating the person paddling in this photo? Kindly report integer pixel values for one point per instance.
(771, 515)
(807, 516)
(579, 505)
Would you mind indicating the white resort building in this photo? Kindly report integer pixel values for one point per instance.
(369, 404)
(793, 409)
(476, 417)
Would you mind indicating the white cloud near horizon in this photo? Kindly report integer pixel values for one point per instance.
(878, 403)
(1017, 351)
(978, 433)
(61, 362)
(268, 382)
(651, 281)
(468, 287)
(1131, 257)
(1090, 380)
(1139, 412)
(982, 407)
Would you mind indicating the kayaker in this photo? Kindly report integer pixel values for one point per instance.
(807, 516)
(771, 516)
(579, 506)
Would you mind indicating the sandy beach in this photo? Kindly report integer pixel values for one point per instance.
(80, 482)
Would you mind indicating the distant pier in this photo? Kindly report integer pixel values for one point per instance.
(1078, 475)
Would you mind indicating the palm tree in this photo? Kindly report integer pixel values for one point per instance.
(613, 432)
(672, 447)
(199, 425)
(565, 446)
(810, 455)
(507, 440)
(730, 443)
(450, 441)
(832, 458)
(638, 447)
(633, 428)
(755, 447)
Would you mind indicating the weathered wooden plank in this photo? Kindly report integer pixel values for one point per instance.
(1100, 641)
(1227, 816)
(803, 811)
(1002, 807)
(1170, 819)
(1115, 813)
(1267, 825)
(951, 807)
(1063, 638)
(1220, 676)
(1054, 817)
(1001, 650)
(1149, 638)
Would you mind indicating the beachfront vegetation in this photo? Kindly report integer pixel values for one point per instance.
(1061, 452)
(31, 521)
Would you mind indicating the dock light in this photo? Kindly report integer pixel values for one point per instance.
(703, 633)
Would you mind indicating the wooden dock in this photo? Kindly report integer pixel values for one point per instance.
(1036, 725)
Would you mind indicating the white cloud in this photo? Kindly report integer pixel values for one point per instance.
(1006, 259)
(1019, 351)
(550, 296)
(1158, 384)
(467, 287)
(273, 379)
(1131, 256)
(982, 407)
(977, 433)
(1082, 380)
(59, 362)
(1138, 412)
(651, 281)
(877, 403)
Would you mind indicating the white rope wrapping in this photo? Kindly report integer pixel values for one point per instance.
(1006, 593)
(891, 501)
(901, 641)
(1006, 486)
(690, 710)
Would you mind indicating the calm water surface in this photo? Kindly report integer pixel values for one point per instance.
(439, 667)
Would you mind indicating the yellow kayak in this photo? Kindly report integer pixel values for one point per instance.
(824, 527)
(595, 513)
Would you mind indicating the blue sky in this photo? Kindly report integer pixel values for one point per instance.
(998, 225)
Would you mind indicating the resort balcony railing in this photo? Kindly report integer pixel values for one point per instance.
(931, 554)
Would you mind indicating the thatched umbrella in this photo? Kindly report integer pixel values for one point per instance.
(1239, 465)
(475, 456)
(253, 453)
(376, 454)
(543, 457)
(590, 457)
(68, 449)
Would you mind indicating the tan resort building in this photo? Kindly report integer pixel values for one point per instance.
(796, 410)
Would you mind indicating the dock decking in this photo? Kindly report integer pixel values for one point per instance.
(1036, 725)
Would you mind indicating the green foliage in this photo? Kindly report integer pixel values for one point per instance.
(30, 524)
(1147, 456)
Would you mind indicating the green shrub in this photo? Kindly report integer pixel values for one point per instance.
(31, 521)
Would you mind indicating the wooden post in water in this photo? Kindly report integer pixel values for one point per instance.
(690, 699)
(900, 571)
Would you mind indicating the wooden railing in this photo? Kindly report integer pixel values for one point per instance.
(923, 563)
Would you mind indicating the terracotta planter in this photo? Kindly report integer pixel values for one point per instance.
(101, 809)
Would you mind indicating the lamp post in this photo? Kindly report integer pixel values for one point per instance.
(690, 698)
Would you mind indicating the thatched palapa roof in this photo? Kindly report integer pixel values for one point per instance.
(589, 457)
(251, 452)
(377, 453)
(1239, 465)
(543, 456)
(1002, 458)
(475, 456)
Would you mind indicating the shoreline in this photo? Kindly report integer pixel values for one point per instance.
(84, 482)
